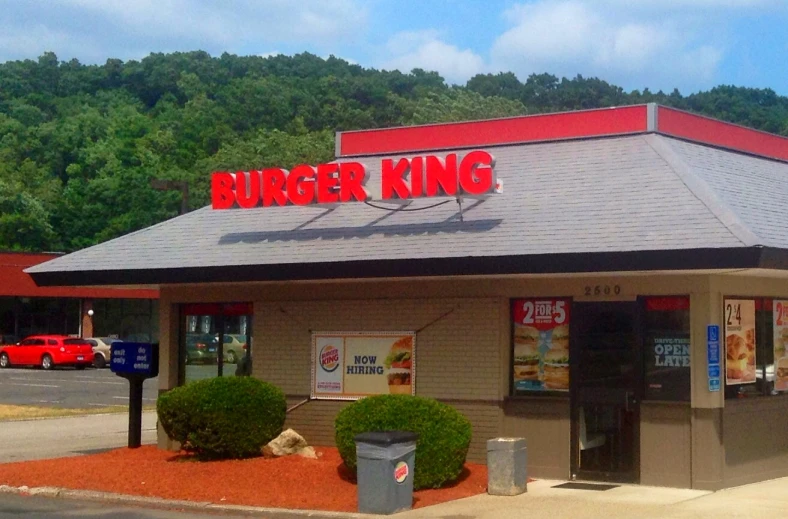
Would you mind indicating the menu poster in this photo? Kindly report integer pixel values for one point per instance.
(780, 313)
(541, 344)
(739, 341)
(352, 365)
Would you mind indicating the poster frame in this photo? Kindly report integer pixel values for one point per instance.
(543, 392)
(349, 398)
(754, 300)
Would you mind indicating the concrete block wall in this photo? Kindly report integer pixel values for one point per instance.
(458, 357)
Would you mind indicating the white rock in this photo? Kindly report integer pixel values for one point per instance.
(288, 443)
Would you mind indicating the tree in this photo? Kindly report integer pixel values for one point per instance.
(79, 143)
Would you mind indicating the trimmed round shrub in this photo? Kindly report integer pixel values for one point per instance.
(444, 433)
(223, 417)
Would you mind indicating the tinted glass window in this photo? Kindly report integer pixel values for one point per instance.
(204, 325)
(771, 343)
(667, 348)
(76, 342)
(39, 342)
(52, 342)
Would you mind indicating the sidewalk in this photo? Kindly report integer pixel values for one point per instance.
(756, 501)
(72, 436)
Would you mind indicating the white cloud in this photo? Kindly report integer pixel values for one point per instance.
(271, 20)
(16, 42)
(426, 50)
(572, 36)
(664, 5)
(133, 28)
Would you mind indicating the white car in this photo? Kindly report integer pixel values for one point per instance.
(101, 350)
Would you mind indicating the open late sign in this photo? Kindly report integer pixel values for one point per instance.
(472, 174)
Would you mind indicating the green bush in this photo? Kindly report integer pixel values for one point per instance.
(223, 417)
(444, 433)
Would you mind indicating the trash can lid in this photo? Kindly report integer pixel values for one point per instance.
(505, 444)
(385, 438)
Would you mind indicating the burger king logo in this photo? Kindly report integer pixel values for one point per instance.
(401, 472)
(329, 358)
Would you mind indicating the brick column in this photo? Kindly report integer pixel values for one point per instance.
(87, 319)
(708, 448)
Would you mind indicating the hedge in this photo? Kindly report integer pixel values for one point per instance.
(444, 433)
(223, 417)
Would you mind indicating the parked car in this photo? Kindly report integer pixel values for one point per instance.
(201, 348)
(234, 347)
(47, 351)
(101, 350)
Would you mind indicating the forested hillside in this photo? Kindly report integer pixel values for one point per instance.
(80, 144)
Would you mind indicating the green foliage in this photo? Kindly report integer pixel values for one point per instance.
(444, 433)
(79, 144)
(223, 417)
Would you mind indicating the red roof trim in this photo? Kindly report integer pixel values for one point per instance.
(624, 120)
(718, 133)
(15, 283)
(512, 130)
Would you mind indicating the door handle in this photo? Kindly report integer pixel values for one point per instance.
(629, 401)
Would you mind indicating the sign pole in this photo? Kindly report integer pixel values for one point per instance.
(135, 412)
(135, 362)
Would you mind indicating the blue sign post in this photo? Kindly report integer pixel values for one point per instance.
(713, 356)
(135, 362)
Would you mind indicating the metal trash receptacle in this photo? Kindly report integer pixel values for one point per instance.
(385, 471)
(507, 473)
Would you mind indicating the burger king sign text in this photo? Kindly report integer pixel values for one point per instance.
(471, 174)
(351, 365)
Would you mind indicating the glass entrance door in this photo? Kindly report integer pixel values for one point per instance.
(606, 373)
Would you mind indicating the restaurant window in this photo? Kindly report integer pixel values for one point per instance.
(666, 327)
(43, 315)
(132, 320)
(216, 340)
(756, 339)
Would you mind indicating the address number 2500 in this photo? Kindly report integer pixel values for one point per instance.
(602, 290)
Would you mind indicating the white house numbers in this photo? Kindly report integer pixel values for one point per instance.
(601, 290)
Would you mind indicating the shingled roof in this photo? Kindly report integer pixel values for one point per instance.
(635, 202)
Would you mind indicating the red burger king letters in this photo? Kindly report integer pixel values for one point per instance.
(472, 174)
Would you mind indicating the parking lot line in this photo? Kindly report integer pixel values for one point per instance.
(27, 385)
(112, 382)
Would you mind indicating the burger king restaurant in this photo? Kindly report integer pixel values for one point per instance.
(610, 285)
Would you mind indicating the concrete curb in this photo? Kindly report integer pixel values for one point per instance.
(170, 504)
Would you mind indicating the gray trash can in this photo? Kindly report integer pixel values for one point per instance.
(506, 467)
(385, 471)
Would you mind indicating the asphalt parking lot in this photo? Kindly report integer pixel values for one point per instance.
(69, 388)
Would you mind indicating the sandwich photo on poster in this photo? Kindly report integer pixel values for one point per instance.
(540, 346)
(739, 341)
(352, 365)
(780, 313)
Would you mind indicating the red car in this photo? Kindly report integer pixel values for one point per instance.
(47, 351)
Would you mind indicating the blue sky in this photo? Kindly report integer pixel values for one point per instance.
(660, 44)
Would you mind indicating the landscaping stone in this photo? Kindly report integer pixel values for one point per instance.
(287, 444)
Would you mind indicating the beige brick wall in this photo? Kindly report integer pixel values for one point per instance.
(457, 356)
(464, 358)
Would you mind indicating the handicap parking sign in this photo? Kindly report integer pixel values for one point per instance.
(713, 333)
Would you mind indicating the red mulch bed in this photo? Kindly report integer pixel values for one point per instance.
(289, 482)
